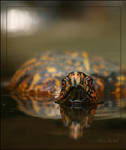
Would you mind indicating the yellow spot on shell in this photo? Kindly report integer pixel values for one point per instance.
(86, 61)
(35, 106)
(57, 74)
(117, 84)
(117, 89)
(29, 62)
(35, 80)
(99, 82)
(105, 73)
(37, 64)
(23, 85)
(69, 62)
(58, 83)
(101, 66)
(74, 54)
(117, 93)
(44, 57)
(95, 68)
(122, 78)
(51, 69)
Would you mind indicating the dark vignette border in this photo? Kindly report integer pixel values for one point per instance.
(44, 4)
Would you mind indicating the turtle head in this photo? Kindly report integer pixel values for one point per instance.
(78, 102)
(77, 90)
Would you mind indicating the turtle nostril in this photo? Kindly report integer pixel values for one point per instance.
(75, 103)
(78, 103)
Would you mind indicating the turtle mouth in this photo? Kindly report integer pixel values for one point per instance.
(77, 103)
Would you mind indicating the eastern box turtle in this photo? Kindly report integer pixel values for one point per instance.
(82, 85)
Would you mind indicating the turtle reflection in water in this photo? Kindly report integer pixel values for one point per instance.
(69, 85)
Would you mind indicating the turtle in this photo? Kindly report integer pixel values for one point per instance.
(73, 86)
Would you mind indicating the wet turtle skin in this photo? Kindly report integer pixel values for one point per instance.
(39, 83)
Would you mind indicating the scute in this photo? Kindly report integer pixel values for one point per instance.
(36, 74)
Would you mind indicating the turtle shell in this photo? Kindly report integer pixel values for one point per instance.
(37, 83)
(44, 73)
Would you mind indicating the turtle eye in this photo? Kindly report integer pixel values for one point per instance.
(91, 82)
(63, 84)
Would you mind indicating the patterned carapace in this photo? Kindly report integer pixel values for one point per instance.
(43, 76)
